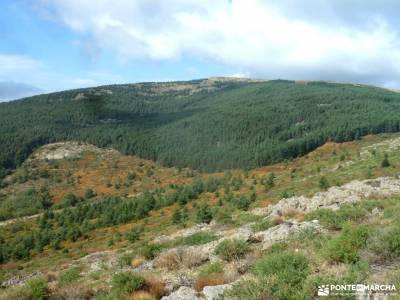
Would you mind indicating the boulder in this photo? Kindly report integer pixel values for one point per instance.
(213, 292)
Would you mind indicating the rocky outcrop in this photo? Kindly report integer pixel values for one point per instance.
(173, 281)
(282, 232)
(183, 293)
(333, 198)
(20, 280)
(99, 260)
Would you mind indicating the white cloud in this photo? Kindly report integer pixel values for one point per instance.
(265, 39)
(15, 64)
(22, 76)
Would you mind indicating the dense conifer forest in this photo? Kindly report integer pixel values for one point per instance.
(207, 126)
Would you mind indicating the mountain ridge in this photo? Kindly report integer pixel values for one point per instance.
(209, 124)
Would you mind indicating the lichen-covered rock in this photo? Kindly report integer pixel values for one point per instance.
(242, 233)
(99, 260)
(174, 281)
(183, 293)
(282, 231)
(213, 292)
(20, 280)
(334, 197)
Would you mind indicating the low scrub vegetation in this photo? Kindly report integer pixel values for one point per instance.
(279, 275)
(386, 242)
(210, 274)
(232, 249)
(179, 257)
(346, 246)
(127, 282)
(267, 223)
(198, 238)
(336, 219)
(69, 276)
(35, 289)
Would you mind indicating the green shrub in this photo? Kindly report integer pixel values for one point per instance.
(69, 276)
(89, 193)
(242, 203)
(127, 282)
(232, 249)
(69, 200)
(224, 216)
(280, 275)
(345, 247)
(106, 296)
(126, 259)
(150, 251)
(387, 243)
(262, 225)
(198, 238)
(336, 219)
(38, 289)
(246, 217)
(204, 214)
(323, 183)
(23, 204)
(134, 234)
(289, 267)
(385, 162)
(211, 268)
(392, 242)
(268, 288)
(177, 216)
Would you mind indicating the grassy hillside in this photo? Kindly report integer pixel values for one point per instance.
(204, 124)
(78, 246)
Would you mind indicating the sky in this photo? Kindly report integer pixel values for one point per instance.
(52, 45)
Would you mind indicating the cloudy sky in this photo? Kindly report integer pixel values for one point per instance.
(50, 45)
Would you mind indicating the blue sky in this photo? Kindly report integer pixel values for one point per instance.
(51, 45)
(60, 62)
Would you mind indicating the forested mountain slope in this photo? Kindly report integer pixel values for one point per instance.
(204, 124)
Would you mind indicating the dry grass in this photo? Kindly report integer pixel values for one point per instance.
(179, 257)
(50, 276)
(376, 196)
(212, 279)
(142, 295)
(290, 212)
(137, 261)
(154, 286)
(73, 291)
(276, 220)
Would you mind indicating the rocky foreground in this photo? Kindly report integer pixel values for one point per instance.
(177, 265)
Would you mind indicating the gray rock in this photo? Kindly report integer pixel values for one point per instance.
(213, 292)
(282, 232)
(20, 280)
(174, 281)
(333, 198)
(183, 293)
(376, 211)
